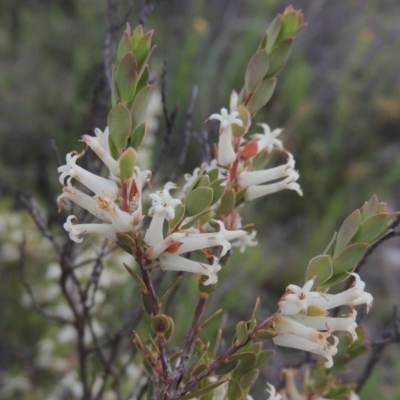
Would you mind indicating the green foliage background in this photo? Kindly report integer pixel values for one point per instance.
(338, 100)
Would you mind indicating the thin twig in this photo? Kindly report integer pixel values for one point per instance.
(55, 152)
(29, 290)
(169, 119)
(374, 246)
(191, 336)
(390, 335)
(204, 141)
(36, 213)
(187, 135)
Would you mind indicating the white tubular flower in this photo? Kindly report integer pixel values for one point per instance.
(254, 192)
(296, 299)
(121, 220)
(347, 323)
(76, 231)
(233, 101)
(164, 199)
(206, 167)
(82, 200)
(246, 241)
(328, 350)
(99, 145)
(96, 184)
(226, 152)
(190, 179)
(251, 178)
(272, 393)
(173, 262)
(267, 140)
(353, 296)
(139, 179)
(163, 207)
(287, 325)
(180, 243)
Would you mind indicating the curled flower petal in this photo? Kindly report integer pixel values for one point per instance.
(254, 192)
(96, 184)
(76, 231)
(250, 178)
(83, 200)
(297, 342)
(272, 393)
(99, 145)
(173, 262)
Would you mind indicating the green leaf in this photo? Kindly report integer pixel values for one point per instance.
(247, 364)
(371, 228)
(226, 367)
(144, 66)
(241, 332)
(195, 219)
(218, 192)
(261, 95)
(126, 239)
(292, 22)
(278, 57)
(234, 392)
(382, 208)
(119, 125)
(216, 183)
(256, 309)
(171, 288)
(139, 106)
(136, 35)
(263, 356)
(146, 304)
(206, 389)
(142, 48)
(369, 208)
(124, 46)
(244, 116)
(127, 163)
(246, 381)
(329, 248)
(179, 214)
(143, 79)
(135, 276)
(113, 87)
(257, 68)
(319, 269)
(347, 231)
(213, 174)
(265, 334)
(210, 318)
(227, 202)
(348, 259)
(203, 181)
(138, 135)
(217, 344)
(272, 33)
(198, 201)
(126, 78)
(345, 263)
(113, 149)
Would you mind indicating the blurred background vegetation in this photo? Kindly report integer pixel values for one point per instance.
(338, 100)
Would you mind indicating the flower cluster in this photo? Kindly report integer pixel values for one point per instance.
(302, 321)
(118, 204)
